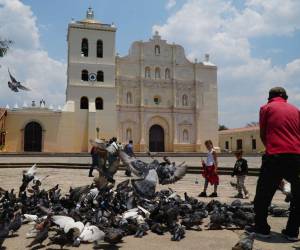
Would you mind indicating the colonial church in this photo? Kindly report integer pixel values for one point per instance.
(154, 96)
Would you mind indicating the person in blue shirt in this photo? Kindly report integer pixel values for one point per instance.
(129, 150)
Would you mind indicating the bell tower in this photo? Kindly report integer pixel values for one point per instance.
(91, 91)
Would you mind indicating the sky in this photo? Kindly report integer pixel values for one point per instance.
(254, 43)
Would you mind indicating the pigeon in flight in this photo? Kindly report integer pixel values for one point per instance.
(14, 85)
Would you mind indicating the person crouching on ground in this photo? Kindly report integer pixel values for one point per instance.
(129, 150)
(240, 170)
(210, 170)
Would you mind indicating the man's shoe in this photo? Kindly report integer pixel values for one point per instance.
(238, 196)
(202, 194)
(247, 196)
(214, 194)
(259, 233)
(90, 175)
(289, 237)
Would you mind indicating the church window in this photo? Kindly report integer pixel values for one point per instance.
(2, 138)
(99, 48)
(129, 98)
(157, 73)
(185, 135)
(167, 74)
(84, 75)
(99, 103)
(157, 100)
(184, 100)
(157, 50)
(128, 134)
(100, 76)
(147, 72)
(85, 47)
(84, 103)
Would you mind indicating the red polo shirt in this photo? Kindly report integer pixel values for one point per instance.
(280, 127)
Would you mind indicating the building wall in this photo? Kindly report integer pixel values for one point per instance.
(246, 135)
(197, 119)
(186, 125)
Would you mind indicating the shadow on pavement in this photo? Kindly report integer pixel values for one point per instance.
(275, 238)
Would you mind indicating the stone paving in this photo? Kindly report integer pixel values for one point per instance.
(213, 240)
(254, 162)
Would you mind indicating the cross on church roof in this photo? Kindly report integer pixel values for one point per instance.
(90, 13)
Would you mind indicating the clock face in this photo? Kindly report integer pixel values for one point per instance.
(92, 77)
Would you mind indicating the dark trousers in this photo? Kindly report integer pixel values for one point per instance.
(275, 168)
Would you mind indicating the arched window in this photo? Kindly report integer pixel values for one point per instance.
(184, 100)
(157, 100)
(84, 75)
(128, 134)
(185, 135)
(100, 76)
(147, 72)
(84, 103)
(99, 48)
(99, 103)
(85, 47)
(167, 74)
(157, 73)
(129, 98)
(157, 50)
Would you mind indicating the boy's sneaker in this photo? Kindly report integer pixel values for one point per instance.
(289, 237)
(259, 233)
(238, 196)
(202, 194)
(214, 194)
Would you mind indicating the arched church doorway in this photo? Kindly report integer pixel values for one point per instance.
(33, 137)
(156, 139)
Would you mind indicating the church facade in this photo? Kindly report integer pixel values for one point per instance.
(154, 96)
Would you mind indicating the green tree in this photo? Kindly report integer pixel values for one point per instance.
(222, 127)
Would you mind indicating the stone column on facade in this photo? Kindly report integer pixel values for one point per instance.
(197, 110)
(174, 101)
(142, 146)
(118, 97)
(117, 80)
(92, 134)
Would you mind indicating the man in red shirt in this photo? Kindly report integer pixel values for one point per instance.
(280, 132)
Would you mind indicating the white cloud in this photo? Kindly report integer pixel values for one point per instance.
(26, 60)
(170, 4)
(219, 28)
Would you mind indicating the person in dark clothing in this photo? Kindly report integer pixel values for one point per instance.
(240, 170)
(94, 161)
(280, 133)
(128, 149)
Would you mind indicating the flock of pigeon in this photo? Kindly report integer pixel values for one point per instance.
(98, 212)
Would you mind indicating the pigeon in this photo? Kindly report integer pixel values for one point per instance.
(4, 232)
(40, 237)
(28, 176)
(14, 85)
(152, 173)
(245, 243)
(61, 239)
(67, 223)
(178, 232)
(113, 235)
(16, 223)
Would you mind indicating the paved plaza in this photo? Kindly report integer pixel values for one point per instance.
(253, 161)
(205, 239)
